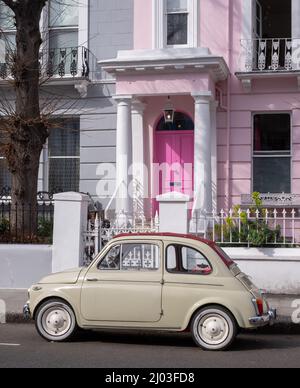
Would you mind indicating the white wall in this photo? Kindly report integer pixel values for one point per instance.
(275, 270)
(23, 265)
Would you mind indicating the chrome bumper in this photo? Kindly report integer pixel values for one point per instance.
(26, 312)
(265, 320)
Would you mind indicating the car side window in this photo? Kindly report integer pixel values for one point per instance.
(112, 259)
(132, 257)
(138, 257)
(187, 260)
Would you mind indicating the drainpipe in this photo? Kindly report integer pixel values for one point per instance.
(230, 42)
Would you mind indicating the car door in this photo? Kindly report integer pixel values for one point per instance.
(125, 284)
(188, 279)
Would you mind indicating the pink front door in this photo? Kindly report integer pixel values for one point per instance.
(174, 154)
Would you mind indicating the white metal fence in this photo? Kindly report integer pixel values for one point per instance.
(252, 228)
(238, 227)
(100, 232)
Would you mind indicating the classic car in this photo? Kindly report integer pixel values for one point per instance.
(164, 282)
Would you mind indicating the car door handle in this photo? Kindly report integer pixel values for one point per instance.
(93, 280)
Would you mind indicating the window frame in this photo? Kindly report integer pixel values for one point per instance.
(47, 158)
(7, 31)
(159, 27)
(82, 31)
(167, 13)
(132, 270)
(181, 246)
(276, 154)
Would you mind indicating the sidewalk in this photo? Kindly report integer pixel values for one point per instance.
(15, 300)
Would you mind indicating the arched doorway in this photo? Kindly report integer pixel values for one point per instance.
(174, 156)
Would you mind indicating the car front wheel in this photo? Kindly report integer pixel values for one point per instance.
(214, 328)
(55, 321)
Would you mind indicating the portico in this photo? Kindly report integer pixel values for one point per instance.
(146, 79)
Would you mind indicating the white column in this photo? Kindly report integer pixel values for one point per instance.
(214, 160)
(203, 154)
(70, 220)
(124, 156)
(138, 154)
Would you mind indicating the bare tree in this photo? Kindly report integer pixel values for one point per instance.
(25, 123)
(26, 129)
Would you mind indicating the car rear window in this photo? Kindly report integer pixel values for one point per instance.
(186, 260)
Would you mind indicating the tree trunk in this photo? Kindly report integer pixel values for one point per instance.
(29, 132)
(24, 210)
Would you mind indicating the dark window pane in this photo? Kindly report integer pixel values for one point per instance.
(181, 122)
(272, 175)
(272, 132)
(64, 152)
(65, 141)
(64, 175)
(177, 29)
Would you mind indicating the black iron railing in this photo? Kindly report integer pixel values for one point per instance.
(26, 224)
(271, 55)
(63, 62)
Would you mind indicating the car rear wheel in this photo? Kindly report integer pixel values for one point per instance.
(55, 321)
(214, 328)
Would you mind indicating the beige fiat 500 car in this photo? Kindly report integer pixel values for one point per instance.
(162, 282)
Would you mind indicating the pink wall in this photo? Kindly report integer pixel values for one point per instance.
(213, 26)
(220, 29)
(142, 24)
(163, 84)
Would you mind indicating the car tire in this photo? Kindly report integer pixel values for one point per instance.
(214, 328)
(55, 321)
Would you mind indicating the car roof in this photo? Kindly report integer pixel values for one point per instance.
(166, 235)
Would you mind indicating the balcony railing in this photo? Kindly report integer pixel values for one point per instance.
(68, 62)
(270, 55)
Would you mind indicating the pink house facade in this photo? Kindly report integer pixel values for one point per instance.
(230, 71)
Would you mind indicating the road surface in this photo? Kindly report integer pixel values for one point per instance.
(21, 346)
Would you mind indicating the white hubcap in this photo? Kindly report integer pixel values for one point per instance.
(213, 329)
(56, 321)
